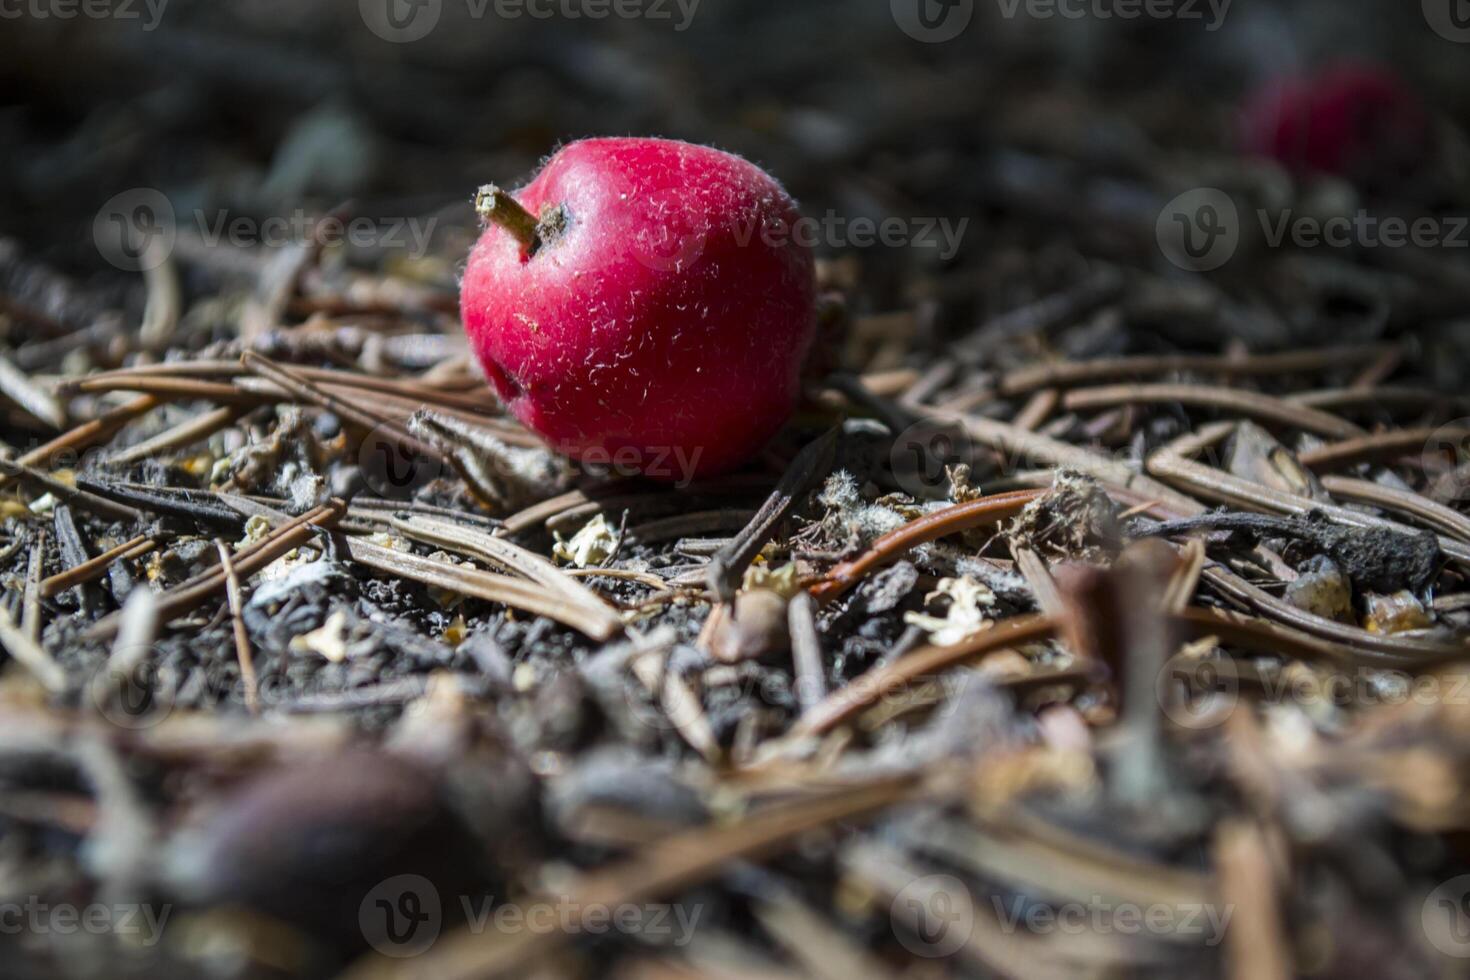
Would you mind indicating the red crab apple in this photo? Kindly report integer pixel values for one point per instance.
(642, 305)
(1356, 121)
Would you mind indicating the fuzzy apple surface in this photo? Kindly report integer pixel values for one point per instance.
(657, 317)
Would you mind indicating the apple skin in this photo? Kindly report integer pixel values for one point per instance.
(663, 329)
(1356, 121)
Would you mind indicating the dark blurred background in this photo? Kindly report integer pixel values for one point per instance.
(1058, 130)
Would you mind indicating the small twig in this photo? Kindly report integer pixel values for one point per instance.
(167, 386)
(806, 651)
(193, 506)
(161, 309)
(984, 512)
(237, 621)
(485, 585)
(1031, 566)
(1022, 449)
(91, 569)
(41, 483)
(1256, 945)
(189, 594)
(16, 385)
(1186, 577)
(1382, 397)
(1069, 373)
(878, 682)
(728, 565)
(1431, 512)
(1217, 485)
(501, 552)
(1038, 409)
(86, 434)
(30, 614)
(1251, 404)
(31, 655)
(1378, 446)
(679, 703)
(309, 391)
(415, 390)
(672, 865)
(1354, 644)
(185, 434)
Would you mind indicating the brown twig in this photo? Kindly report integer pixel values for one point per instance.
(237, 626)
(186, 433)
(1068, 373)
(1250, 404)
(664, 868)
(984, 512)
(87, 433)
(87, 571)
(1378, 446)
(726, 567)
(310, 392)
(1432, 513)
(1022, 449)
(189, 594)
(41, 483)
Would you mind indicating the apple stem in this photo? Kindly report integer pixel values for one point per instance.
(494, 204)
